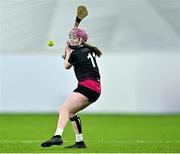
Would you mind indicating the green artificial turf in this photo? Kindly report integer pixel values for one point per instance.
(103, 133)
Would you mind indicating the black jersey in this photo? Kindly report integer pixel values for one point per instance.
(85, 65)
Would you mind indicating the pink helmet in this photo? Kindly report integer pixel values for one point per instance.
(79, 33)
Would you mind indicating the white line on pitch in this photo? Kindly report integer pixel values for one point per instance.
(138, 141)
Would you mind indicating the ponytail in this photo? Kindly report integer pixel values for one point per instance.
(93, 48)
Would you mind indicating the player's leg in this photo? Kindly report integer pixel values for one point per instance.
(77, 127)
(75, 119)
(79, 103)
(75, 102)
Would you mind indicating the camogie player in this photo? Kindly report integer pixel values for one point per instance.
(82, 57)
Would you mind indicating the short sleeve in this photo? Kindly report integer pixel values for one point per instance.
(72, 58)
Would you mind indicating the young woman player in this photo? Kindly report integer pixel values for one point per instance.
(82, 57)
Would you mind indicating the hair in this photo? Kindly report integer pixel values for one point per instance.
(93, 48)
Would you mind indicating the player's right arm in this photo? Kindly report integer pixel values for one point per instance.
(68, 51)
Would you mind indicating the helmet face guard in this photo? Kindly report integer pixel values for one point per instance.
(79, 33)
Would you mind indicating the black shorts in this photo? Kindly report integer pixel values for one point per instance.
(90, 94)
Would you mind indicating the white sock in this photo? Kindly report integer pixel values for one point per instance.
(79, 137)
(59, 131)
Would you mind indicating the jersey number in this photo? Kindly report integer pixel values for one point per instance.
(91, 58)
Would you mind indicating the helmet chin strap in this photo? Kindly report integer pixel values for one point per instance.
(73, 47)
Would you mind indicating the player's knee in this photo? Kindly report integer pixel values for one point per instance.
(71, 114)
